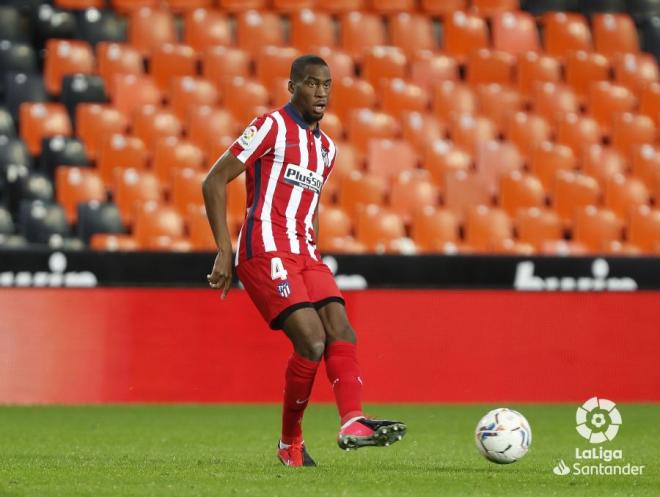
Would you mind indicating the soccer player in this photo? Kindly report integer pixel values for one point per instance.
(288, 158)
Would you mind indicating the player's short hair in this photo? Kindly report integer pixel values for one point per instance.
(300, 64)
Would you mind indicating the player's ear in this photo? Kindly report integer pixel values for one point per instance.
(291, 86)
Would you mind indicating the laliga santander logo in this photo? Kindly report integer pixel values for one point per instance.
(598, 420)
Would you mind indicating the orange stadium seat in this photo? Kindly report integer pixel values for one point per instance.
(120, 152)
(186, 191)
(133, 187)
(172, 154)
(128, 6)
(645, 165)
(577, 132)
(495, 159)
(155, 220)
(358, 190)
(412, 191)
(596, 228)
(411, 32)
(361, 31)
(113, 243)
(490, 66)
(381, 64)
(566, 32)
(452, 98)
(463, 190)
(332, 126)
(340, 6)
(442, 157)
(527, 131)
(347, 161)
(200, 234)
(602, 162)
(148, 29)
(515, 32)
(535, 67)
(220, 64)
(66, 57)
(310, 29)
(573, 190)
(420, 130)
(341, 64)
(206, 122)
(151, 123)
(279, 92)
(553, 101)
(635, 71)
(273, 63)
(183, 6)
(188, 93)
(428, 68)
(468, 131)
(236, 6)
(491, 7)
(644, 228)
(365, 125)
(130, 92)
(399, 97)
(42, 120)
(255, 29)
(205, 28)
(169, 61)
(614, 34)
(463, 34)
(388, 158)
(333, 222)
(236, 201)
(344, 245)
(391, 6)
(563, 248)
(80, 4)
(76, 185)
(537, 226)
(117, 58)
(498, 102)
(218, 146)
(432, 229)
(166, 243)
(94, 122)
(245, 99)
(486, 227)
(625, 194)
(520, 191)
(649, 101)
(584, 68)
(549, 158)
(289, 6)
(606, 99)
(621, 248)
(443, 8)
(376, 226)
(630, 130)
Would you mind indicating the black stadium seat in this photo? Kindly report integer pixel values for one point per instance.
(540, 7)
(21, 87)
(6, 222)
(39, 221)
(7, 126)
(643, 9)
(590, 7)
(11, 24)
(14, 151)
(650, 34)
(95, 25)
(23, 184)
(61, 151)
(16, 57)
(95, 217)
(51, 22)
(78, 88)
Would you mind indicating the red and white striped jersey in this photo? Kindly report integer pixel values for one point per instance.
(287, 164)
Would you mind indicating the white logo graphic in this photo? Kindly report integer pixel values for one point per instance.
(304, 178)
(525, 279)
(598, 420)
(561, 469)
(56, 277)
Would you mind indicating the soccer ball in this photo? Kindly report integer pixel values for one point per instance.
(503, 436)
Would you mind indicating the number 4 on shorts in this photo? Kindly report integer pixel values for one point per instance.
(277, 270)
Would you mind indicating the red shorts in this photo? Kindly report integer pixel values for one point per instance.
(280, 283)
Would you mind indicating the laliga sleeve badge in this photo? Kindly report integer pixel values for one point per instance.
(247, 136)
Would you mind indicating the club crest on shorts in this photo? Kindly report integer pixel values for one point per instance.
(284, 289)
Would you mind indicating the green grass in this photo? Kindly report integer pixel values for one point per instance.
(175, 450)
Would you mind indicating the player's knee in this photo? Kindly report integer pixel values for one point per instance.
(340, 332)
(312, 348)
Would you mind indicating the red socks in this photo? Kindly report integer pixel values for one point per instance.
(299, 379)
(343, 370)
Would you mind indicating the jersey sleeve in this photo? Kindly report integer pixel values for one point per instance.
(255, 141)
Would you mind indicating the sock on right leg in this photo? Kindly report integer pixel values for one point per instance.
(299, 380)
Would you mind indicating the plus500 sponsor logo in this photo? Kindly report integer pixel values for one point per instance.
(304, 178)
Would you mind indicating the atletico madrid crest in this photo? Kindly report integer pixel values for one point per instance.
(325, 153)
(284, 289)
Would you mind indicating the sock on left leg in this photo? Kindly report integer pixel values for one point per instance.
(343, 371)
(299, 379)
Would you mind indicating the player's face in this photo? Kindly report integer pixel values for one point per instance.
(311, 93)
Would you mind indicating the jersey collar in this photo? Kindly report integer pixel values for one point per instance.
(295, 115)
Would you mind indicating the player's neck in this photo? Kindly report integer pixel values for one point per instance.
(311, 125)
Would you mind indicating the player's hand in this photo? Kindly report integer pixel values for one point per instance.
(220, 277)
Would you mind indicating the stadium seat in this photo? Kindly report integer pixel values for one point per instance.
(187, 189)
(644, 228)
(618, 248)
(218, 146)
(358, 190)
(333, 222)
(292, 6)
(614, 34)
(563, 248)
(274, 63)
(350, 94)
(121, 151)
(220, 64)
(391, 6)
(365, 125)
(42, 221)
(443, 8)
(593, 7)
(606, 99)
(451, 98)
(7, 126)
(332, 126)
(206, 122)
(399, 97)
(463, 34)
(411, 191)
(495, 159)
(596, 228)
(432, 229)
(427, 68)
(341, 63)
(169, 61)
(94, 122)
(498, 102)
(361, 31)
(625, 194)
(117, 58)
(245, 99)
(75, 185)
(515, 33)
(388, 158)
(520, 191)
(577, 132)
(343, 245)
(150, 28)
(22, 87)
(172, 154)
(235, 6)
(205, 28)
(10, 24)
(645, 165)
(376, 226)
(538, 225)
(256, 29)
(602, 162)
(347, 160)
(420, 130)
(566, 32)
(486, 227)
(533, 67)
(16, 57)
(113, 242)
(571, 191)
(630, 130)
(549, 158)
(489, 66)
(82, 88)
(102, 25)
(381, 64)
(310, 29)
(553, 101)
(635, 71)
(66, 57)
(462, 191)
(50, 22)
(42, 120)
(129, 6)
(6, 223)
(442, 157)
(14, 151)
(184, 6)
(411, 32)
(643, 9)
(650, 34)
(61, 150)
(130, 92)
(132, 188)
(199, 230)
(151, 123)
(468, 131)
(188, 93)
(155, 220)
(584, 68)
(526, 131)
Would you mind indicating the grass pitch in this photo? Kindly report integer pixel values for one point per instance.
(175, 450)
